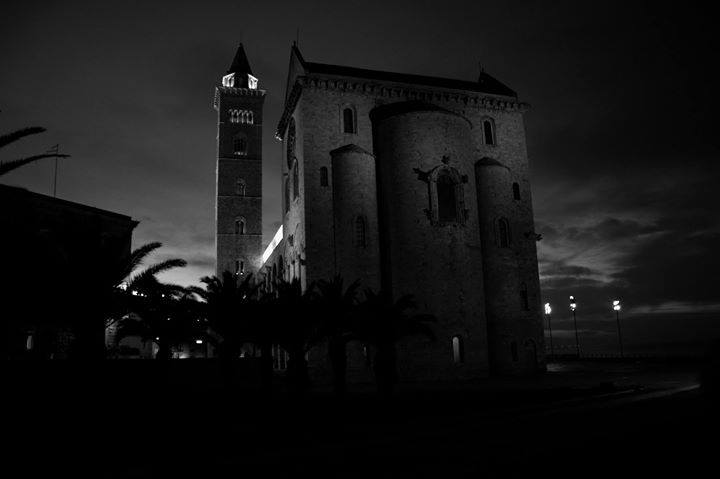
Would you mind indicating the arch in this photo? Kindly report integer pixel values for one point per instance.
(323, 176)
(447, 201)
(240, 144)
(458, 350)
(240, 187)
(446, 196)
(516, 191)
(290, 144)
(503, 233)
(348, 120)
(240, 226)
(360, 232)
(488, 130)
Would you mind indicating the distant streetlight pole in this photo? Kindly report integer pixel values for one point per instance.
(548, 310)
(573, 306)
(617, 307)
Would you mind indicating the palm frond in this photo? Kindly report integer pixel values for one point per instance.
(8, 166)
(19, 134)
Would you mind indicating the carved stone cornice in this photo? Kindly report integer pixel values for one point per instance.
(225, 90)
(401, 93)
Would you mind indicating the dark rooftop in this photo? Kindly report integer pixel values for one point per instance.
(485, 83)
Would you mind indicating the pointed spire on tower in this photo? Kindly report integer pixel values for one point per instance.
(240, 75)
(240, 63)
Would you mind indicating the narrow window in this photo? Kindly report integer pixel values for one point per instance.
(524, 297)
(240, 227)
(296, 181)
(287, 195)
(516, 191)
(240, 187)
(29, 342)
(240, 145)
(503, 233)
(488, 132)
(274, 273)
(447, 203)
(323, 176)
(457, 350)
(348, 120)
(360, 239)
(514, 351)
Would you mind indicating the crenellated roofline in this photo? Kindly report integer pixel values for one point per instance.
(235, 92)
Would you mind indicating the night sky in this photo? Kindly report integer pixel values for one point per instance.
(621, 133)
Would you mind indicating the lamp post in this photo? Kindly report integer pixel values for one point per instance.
(548, 310)
(573, 306)
(617, 307)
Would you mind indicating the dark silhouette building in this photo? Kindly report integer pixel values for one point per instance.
(51, 249)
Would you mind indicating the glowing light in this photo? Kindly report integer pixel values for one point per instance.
(252, 82)
(548, 309)
(229, 80)
(198, 341)
(573, 304)
(273, 244)
(123, 286)
(157, 338)
(616, 305)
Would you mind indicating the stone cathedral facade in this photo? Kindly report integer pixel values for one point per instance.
(413, 184)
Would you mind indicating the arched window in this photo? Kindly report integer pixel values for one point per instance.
(516, 191)
(296, 180)
(348, 120)
(240, 226)
(524, 301)
(323, 176)
(447, 202)
(290, 144)
(514, 351)
(360, 236)
(503, 233)
(458, 350)
(488, 131)
(240, 145)
(240, 187)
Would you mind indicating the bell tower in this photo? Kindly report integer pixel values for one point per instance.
(238, 203)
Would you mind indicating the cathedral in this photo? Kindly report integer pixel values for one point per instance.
(412, 184)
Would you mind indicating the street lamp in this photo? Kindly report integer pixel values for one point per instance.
(573, 306)
(617, 307)
(548, 310)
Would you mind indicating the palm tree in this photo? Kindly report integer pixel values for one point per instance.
(162, 313)
(230, 307)
(383, 323)
(108, 286)
(335, 306)
(294, 327)
(8, 166)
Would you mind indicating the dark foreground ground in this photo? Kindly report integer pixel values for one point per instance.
(581, 419)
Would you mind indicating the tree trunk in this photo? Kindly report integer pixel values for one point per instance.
(386, 369)
(338, 361)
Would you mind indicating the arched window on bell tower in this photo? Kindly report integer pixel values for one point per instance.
(240, 145)
(240, 226)
(503, 232)
(240, 187)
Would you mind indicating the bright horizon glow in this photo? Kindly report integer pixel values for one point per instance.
(273, 244)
